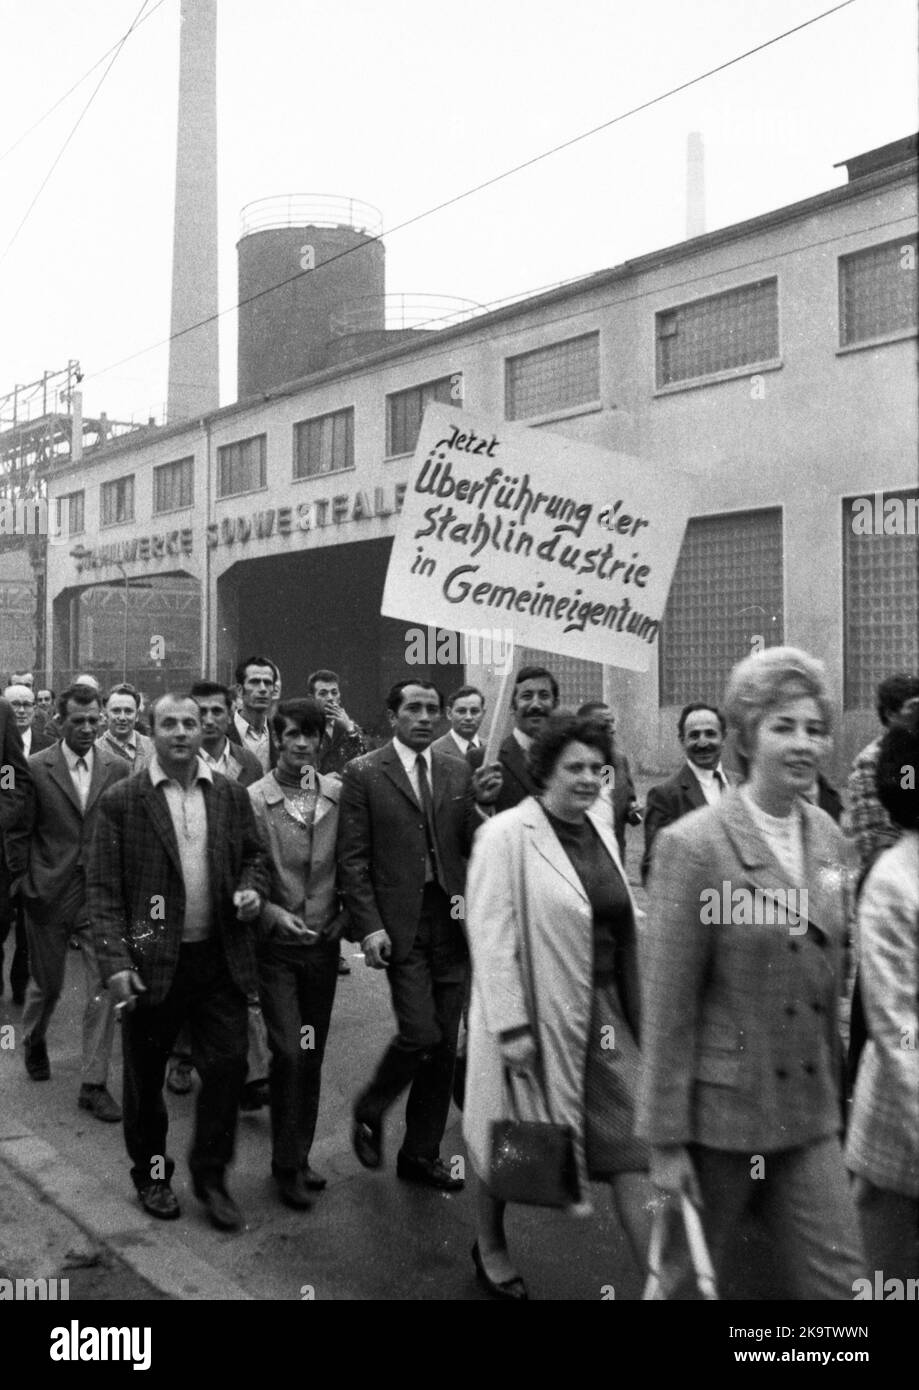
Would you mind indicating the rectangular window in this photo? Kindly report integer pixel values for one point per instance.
(725, 600)
(404, 410)
(71, 513)
(880, 586)
(172, 485)
(721, 333)
(553, 378)
(241, 466)
(877, 291)
(118, 501)
(324, 444)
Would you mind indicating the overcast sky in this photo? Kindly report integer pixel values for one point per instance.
(404, 103)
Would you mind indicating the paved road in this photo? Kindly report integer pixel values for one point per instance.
(368, 1235)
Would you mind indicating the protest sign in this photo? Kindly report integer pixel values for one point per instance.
(570, 546)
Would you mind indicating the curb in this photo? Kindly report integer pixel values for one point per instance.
(113, 1221)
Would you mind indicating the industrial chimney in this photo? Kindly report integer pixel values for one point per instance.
(194, 370)
(695, 185)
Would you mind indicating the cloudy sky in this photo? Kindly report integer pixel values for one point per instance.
(404, 104)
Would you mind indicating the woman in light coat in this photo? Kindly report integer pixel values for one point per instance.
(551, 926)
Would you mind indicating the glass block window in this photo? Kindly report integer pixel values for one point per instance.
(324, 444)
(877, 291)
(71, 511)
(118, 501)
(880, 584)
(404, 410)
(739, 328)
(726, 591)
(173, 485)
(241, 466)
(553, 378)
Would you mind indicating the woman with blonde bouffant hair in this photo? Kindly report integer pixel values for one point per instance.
(741, 963)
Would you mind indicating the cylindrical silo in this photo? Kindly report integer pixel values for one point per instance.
(302, 257)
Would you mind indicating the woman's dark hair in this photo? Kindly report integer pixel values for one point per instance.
(558, 731)
(897, 775)
(306, 713)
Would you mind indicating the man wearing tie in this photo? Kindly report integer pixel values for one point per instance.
(699, 782)
(67, 781)
(465, 711)
(407, 817)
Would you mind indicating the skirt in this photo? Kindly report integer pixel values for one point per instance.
(610, 1088)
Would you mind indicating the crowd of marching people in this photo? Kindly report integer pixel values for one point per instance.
(745, 1043)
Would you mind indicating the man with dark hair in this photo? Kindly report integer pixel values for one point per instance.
(867, 822)
(465, 711)
(617, 801)
(258, 683)
(342, 739)
(699, 782)
(122, 705)
(406, 824)
(15, 779)
(534, 699)
(176, 881)
(68, 780)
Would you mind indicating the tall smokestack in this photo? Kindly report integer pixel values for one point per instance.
(695, 185)
(194, 370)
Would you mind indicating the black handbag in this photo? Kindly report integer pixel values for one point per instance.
(532, 1161)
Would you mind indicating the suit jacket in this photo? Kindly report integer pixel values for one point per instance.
(446, 744)
(114, 750)
(15, 780)
(739, 1041)
(667, 802)
(382, 844)
(136, 892)
(336, 752)
(530, 928)
(55, 830)
(40, 741)
(233, 736)
(518, 782)
(242, 766)
(828, 798)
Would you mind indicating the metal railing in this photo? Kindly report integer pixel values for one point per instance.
(399, 311)
(310, 210)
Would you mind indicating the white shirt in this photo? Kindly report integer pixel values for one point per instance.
(523, 739)
(257, 741)
(26, 740)
(706, 778)
(465, 744)
(220, 763)
(80, 776)
(783, 834)
(407, 757)
(189, 820)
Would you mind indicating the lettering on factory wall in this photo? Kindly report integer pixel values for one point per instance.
(238, 530)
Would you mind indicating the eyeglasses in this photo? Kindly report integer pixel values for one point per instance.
(23, 704)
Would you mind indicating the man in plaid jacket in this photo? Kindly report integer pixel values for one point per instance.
(175, 883)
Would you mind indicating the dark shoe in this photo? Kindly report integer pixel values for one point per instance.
(514, 1288)
(292, 1189)
(367, 1139)
(37, 1064)
(311, 1179)
(222, 1211)
(429, 1172)
(178, 1077)
(98, 1100)
(254, 1096)
(158, 1199)
(344, 967)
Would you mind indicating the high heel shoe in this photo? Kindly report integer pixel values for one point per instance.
(514, 1288)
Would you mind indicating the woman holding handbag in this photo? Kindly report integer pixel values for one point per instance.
(553, 1021)
(741, 962)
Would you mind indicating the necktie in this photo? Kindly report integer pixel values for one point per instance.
(719, 781)
(427, 805)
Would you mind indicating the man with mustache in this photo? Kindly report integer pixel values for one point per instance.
(699, 782)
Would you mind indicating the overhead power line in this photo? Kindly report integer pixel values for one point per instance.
(479, 187)
(60, 154)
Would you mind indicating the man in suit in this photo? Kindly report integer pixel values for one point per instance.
(14, 781)
(176, 879)
(405, 829)
(618, 802)
(120, 738)
(22, 702)
(258, 684)
(465, 711)
(535, 697)
(699, 782)
(342, 739)
(68, 780)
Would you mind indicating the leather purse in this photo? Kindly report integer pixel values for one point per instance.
(532, 1161)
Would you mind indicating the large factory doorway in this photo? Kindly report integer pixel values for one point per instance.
(322, 608)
